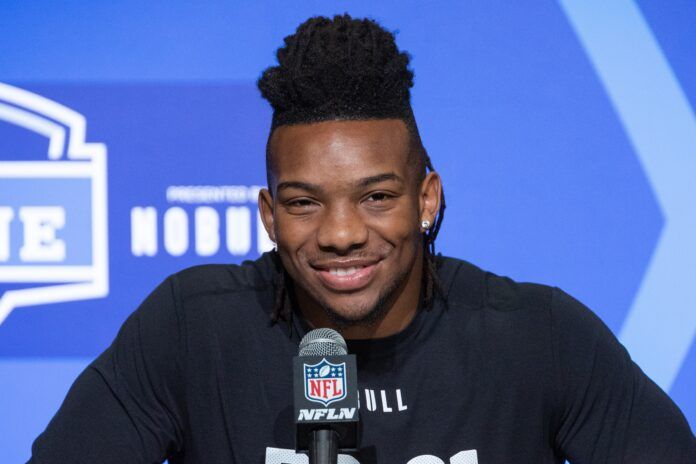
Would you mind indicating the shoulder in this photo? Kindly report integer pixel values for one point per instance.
(527, 315)
(212, 279)
(223, 301)
(520, 307)
(465, 284)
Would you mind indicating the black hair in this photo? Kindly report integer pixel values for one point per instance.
(346, 69)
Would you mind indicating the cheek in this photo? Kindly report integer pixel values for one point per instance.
(295, 243)
(291, 232)
(398, 228)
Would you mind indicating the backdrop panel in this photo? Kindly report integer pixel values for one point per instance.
(132, 143)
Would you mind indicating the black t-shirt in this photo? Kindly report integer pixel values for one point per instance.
(501, 372)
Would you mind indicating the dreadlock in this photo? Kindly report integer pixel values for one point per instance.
(345, 69)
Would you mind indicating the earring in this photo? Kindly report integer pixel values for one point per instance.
(425, 224)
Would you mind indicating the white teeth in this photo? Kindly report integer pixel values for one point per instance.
(343, 272)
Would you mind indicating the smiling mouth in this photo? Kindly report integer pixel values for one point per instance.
(346, 278)
(345, 272)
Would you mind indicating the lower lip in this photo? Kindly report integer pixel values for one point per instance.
(354, 281)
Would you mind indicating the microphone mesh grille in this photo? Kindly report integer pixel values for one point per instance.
(323, 342)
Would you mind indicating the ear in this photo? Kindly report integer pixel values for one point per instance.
(430, 197)
(266, 210)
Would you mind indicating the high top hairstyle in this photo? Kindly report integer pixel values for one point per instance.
(345, 69)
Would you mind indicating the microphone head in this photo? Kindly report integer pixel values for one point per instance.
(323, 342)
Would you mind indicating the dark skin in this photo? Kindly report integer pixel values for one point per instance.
(345, 213)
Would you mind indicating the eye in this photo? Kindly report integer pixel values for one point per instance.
(300, 202)
(300, 205)
(379, 200)
(378, 197)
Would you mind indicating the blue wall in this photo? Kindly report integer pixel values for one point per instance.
(564, 133)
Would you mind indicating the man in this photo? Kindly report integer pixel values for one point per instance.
(455, 364)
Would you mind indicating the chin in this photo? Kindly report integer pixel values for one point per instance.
(356, 314)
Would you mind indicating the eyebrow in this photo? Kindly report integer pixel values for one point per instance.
(367, 181)
(299, 185)
(362, 183)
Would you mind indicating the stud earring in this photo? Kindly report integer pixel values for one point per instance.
(425, 224)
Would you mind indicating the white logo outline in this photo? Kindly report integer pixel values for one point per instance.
(65, 129)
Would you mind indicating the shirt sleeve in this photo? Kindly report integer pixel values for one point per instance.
(125, 407)
(611, 412)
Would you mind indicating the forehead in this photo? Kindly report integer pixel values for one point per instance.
(335, 151)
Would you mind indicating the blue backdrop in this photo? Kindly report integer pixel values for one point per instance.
(132, 141)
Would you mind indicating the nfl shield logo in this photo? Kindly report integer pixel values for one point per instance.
(325, 382)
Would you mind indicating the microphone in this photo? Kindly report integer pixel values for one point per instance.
(326, 397)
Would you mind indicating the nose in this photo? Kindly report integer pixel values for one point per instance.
(341, 230)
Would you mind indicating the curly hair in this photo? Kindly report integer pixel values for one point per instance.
(346, 69)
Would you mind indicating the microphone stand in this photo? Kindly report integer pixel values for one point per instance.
(323, 447)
